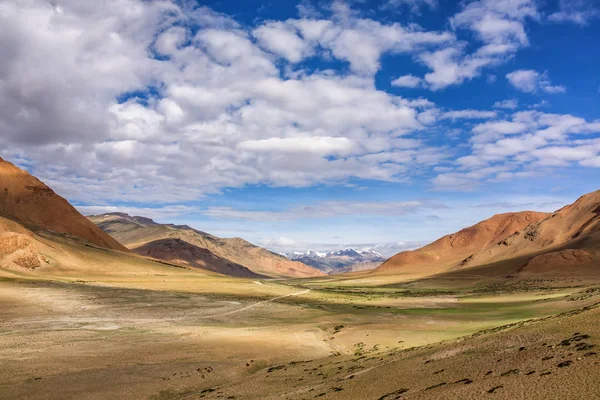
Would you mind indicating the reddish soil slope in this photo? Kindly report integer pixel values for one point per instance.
(27, 200)
(454, 248)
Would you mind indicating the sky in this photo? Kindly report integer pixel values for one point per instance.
(379, 124)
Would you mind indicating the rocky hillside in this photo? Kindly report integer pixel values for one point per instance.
(183, 244)
(453, 249)
(27, 200)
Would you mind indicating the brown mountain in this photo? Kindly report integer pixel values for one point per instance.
(568, 238)
(146, 237)
(450, 251)
(25, 199)
(181, 252)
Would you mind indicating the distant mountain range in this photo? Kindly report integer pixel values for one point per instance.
(339, 261)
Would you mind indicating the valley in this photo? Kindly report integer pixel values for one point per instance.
(172, 337)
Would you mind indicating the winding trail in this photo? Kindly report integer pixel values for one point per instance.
(256, 304)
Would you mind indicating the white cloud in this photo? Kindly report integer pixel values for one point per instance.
(362, 42)
(468, 180)
(530, 81)
(282, 39)
(50, 72)
(409, 81)
(359, 41)
(499, 25)
(279, 243)
(450, 67)
(317, 145)
(205, 108)
(413, 6)
(497, 21)
(522, 147)
(524, 80)
(579, 12)
(468, 114)
(591, 162)
(488, 131)
(509, 104)
(127, 99)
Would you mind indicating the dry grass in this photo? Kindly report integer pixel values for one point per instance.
(96, 324)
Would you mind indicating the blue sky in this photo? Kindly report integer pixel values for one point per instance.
(305, 124)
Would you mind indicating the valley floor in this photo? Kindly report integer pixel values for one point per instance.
(142, 339)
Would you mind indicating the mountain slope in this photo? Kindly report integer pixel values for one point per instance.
(452, 249)
(568, 238)
(19, 248)
(181, 252)
(27, 200)
(138, 233)
(358, 267)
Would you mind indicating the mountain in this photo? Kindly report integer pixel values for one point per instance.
(308, 254)
(564, 243)
(181, 252)
(358, 267)
(183, 244)
(339, 261)
(449, 251)
(28, 201)
(42, 234)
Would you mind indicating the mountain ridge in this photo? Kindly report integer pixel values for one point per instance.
(454, 248)
(141, 237)
(338, 261)
(564, 242)
(27, 200)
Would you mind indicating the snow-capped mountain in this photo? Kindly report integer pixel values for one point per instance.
(308, 253)
(336, 261)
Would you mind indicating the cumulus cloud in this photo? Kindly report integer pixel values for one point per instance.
(509, 104)
(450, 66)
(127, 99)
(119, 99)
(409, 81)
(283, 39)
(317, 145)
(531, 81)
(499, 26)
(523, 146)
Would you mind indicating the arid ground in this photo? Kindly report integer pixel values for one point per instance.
(169, 333)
